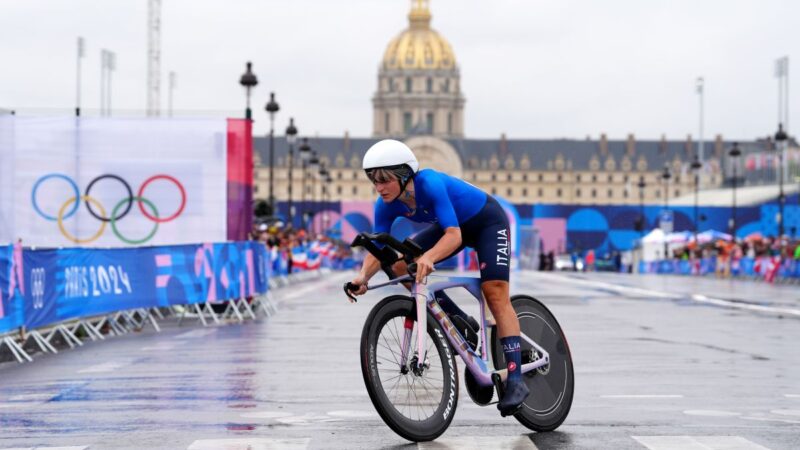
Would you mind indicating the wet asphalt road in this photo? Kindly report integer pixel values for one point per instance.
(657, 366)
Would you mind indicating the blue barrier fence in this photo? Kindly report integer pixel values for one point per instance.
(44, 287)
(767, 267)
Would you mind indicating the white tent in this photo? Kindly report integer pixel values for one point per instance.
(653, 243)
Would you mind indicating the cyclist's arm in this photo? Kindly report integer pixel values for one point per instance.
(370, 267)
(447, 244)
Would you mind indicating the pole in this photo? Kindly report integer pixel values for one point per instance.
(781, 197)
(78, 78)
(103, 82)
(696, 195)
(271, 162)
(733, 211)
(700, 91)
(171, 88)
(291, 181)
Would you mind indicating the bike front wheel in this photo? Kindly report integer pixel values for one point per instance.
(551, 386)
(418, 407)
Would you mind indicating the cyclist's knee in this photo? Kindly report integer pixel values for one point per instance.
(495, 291)
(399, 268)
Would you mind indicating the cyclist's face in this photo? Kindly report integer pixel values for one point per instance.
(388, 188)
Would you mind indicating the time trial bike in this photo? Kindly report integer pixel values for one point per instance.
(408, 348)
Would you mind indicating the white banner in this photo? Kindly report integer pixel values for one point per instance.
(107, 182)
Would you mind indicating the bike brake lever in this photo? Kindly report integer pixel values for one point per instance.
(348, 287)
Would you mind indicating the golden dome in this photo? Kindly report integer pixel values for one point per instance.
(419, 46)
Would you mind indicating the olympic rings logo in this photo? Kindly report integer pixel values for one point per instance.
(96, 209)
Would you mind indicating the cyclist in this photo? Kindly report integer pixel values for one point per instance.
(460, 214)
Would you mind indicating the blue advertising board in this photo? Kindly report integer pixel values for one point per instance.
(63, 284)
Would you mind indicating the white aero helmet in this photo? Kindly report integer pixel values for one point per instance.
(390, 153)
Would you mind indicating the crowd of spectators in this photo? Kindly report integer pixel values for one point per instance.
(293, 245)
(754, 255)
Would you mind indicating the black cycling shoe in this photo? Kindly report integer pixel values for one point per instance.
(515, 394)
(468, 328)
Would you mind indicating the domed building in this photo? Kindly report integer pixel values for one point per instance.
(419, 84)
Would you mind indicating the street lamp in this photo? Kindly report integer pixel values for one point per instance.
(324, 175)
(305, 155)
(780, 139)
(291, 138)
(313, 166)
(734, 153)
(665, 176)
(696, 166)
(641, 186)
(272, 107)
(249, 81)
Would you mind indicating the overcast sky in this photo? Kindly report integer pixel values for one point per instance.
(531, 69)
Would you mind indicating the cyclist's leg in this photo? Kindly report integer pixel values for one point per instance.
(494, 254)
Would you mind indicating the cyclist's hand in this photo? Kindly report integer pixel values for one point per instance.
(424, 267)
(361, 282)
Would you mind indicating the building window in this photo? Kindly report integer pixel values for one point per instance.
(594, 178)
(578, 192)
(355, 174)
(594, 193)
(494, 191)
(658, 193)
(406, 122)
(610, 193)
(474, 177)
(677, 193)
(578, 178)
(625, 193)
(338, 175)
(494, 177)
(355, 190)
(558, 192)
(447, 85)
(386, 123)
(541, 178)
(339, 190)
(539, 192)
(450, 123)
(611, 178)
(429, 122)
(510, 177)
(390, 82)
(524, 192)
(625, 179)
(408, 84)
(429, 85)
(524, 177)
(508, 192)
(558, 178)
(256, 189)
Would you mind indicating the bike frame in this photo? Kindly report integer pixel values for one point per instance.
(478, 364)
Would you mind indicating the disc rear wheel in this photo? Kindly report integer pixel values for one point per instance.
(551, 386)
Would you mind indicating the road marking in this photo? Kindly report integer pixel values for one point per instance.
(770, 419)
(672, 296)
(351, 414)
(697, 443)
(265, 415)
(711, 413)
(196, 334)
(306, 419)
(32, 397)
(786, 412)
(480, 443)
(740, 305)
(105, 367)
(792, 395)
(81, 447)
(250, 444)
(161, 346)
(643, 396)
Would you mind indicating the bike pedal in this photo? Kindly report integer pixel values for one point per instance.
(498, 385)
(510, 413)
